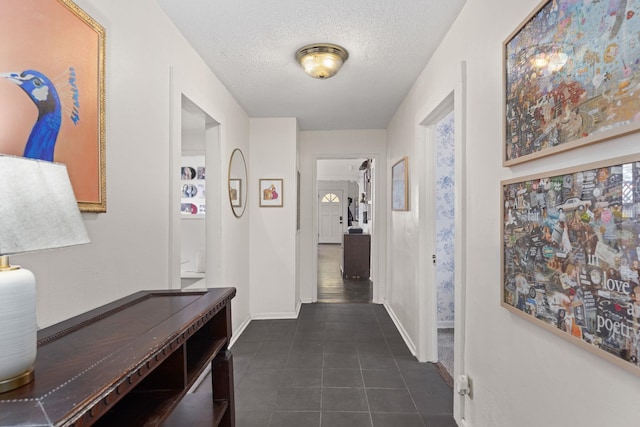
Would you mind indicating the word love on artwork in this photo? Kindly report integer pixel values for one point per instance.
(618, 286)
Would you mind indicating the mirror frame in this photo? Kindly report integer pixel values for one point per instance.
(243, 194)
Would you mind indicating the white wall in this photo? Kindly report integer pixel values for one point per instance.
(130, 242)
(316, 145)
(273, 229)
(340, 170)
(522, 375)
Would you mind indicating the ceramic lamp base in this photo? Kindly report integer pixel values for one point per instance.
(18, 329)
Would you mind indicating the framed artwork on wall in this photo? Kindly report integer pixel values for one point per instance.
(571, 72)
(297, 200)
(193, 189)
(55, 45)
(399, 185)
(571, 255)
(235, 188)
(271, 193)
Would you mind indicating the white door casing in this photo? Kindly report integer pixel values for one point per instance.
(454, 100)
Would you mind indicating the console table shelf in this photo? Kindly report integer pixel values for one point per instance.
(132, 363)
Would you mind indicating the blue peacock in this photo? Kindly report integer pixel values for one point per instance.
(42, 91)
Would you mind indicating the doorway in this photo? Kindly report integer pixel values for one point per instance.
(340, 184)
(444, 123)
(192, 195)
(439, 244)
(444, 140)
(195, 215)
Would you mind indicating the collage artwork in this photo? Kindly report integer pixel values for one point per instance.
(572, 73)
(572, 255)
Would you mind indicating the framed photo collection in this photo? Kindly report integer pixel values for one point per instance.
(193, 191)
(570, 255)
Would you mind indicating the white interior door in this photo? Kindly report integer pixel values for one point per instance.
(330, 209)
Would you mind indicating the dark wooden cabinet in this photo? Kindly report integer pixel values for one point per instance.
(356, 255)
(132, 363)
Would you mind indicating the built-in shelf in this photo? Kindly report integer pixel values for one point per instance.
(189, 216)
(192, 275)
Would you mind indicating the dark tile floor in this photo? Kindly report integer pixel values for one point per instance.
(336, 365)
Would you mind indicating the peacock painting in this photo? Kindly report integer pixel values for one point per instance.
(52, 103)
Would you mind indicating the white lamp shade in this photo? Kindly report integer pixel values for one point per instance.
(38, 209)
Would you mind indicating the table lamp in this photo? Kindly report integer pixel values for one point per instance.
(38, 211)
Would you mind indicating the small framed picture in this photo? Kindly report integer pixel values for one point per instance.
(235, 188)
(270, 193)
(399, 187)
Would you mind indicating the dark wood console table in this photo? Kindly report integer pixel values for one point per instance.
(131, 363)
(356, 256)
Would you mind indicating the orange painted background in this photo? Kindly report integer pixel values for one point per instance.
(44, 35)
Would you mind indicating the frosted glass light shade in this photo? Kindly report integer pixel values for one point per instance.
(18, 334)
(322, 61)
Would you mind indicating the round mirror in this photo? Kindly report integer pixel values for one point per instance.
(237, 182)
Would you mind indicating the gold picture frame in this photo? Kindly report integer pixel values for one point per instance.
(271, 193)
(57, 44)
(399, 185)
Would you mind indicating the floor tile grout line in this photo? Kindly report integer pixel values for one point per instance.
(279, 385)
(322, 370)
(364, 387)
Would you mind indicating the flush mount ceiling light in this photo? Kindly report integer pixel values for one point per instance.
(322, 60)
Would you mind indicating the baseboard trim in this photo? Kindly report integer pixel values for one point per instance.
(446, 324)
(275, 316)
(444, 374)
(239, 331)
(298, 307)
(400, 327)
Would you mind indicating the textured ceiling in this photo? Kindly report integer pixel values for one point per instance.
(250, 46)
